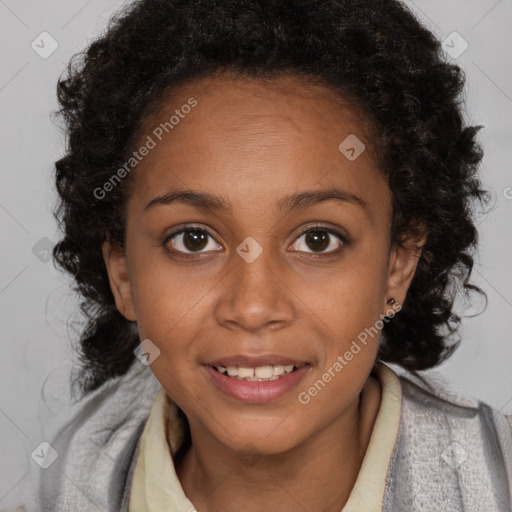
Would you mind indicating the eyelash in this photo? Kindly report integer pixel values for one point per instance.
(316, 227)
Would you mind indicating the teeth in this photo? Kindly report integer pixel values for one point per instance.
(263, 372)
(279, 370)
(259, 374)
(246, 372)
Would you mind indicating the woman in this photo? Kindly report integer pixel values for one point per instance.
(263, 203)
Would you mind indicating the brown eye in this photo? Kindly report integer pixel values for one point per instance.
(190, 240)
(195, 240)
(318, 239)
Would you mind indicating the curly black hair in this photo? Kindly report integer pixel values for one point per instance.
(375, 53)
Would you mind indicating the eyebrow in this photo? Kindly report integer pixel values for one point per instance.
(299, 200)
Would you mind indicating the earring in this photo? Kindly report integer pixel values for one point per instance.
(391, 302)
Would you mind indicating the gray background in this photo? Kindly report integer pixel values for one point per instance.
(37, 310)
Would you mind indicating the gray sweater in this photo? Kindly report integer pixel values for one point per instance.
(452, 453)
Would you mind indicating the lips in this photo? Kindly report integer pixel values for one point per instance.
(256, 378)
(252, 392)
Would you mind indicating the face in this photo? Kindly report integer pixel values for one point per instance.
(280, 257)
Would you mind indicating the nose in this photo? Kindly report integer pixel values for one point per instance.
(255, 296)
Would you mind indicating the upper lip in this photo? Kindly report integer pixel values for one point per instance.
(255, 360)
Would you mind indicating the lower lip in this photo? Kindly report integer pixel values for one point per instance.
(257, 392)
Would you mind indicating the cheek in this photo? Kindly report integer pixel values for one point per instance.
(346, 299)
(168, 296)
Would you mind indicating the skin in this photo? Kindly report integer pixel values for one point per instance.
(253, 143)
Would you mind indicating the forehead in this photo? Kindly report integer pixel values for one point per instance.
(236, 104)
(256, 138)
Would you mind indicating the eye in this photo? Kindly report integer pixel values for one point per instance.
(189, 240)
(320, 239)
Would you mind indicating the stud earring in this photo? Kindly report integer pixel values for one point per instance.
(395, 306)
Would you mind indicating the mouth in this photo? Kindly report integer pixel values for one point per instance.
(263, 373)
(256, 367)
(256, 378)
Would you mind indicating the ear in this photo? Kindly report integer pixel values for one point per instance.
(403, 261)
(120, 285)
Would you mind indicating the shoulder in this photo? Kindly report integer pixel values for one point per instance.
(449, 444)
(433, 389)
(97, 438)
(118, 401)
(434, 397)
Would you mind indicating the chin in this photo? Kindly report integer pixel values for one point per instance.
(270, 436)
